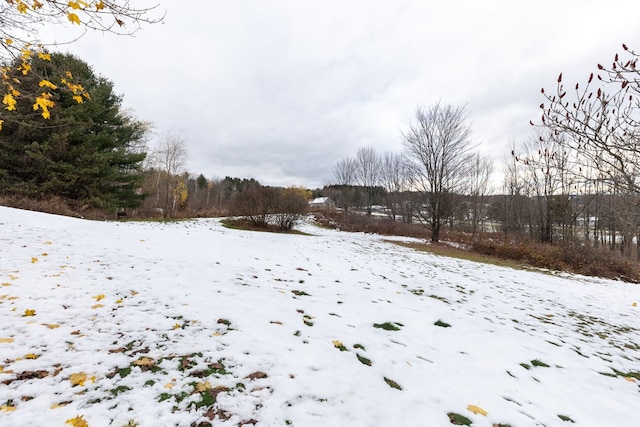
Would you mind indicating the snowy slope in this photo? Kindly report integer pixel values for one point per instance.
(189, 323)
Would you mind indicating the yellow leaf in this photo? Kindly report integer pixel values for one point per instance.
(1, 122)
(337, 344)
(44, 56)
(73, 18)
(97, 306)
(99, 5)
(200, 387)
(9, 101)
(58, 405)
(22, 8)
(6, 340)
(177, 326)
(119, 301)
(144, 361)
(29, 312)
(74, 5)
(7, 408)
(31, 356)
(51, 325)
(48, 84)
(99, 297)
(34, 259)
(168, 385)
(6, 284)
(477, 410)
(635, 304)
(9, 41)
(78, 421)
(36, 5)
(78, 379)
(78, 99)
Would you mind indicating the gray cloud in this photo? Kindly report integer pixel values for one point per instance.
(281, 90)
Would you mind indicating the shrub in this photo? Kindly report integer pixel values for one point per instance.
(263, 206)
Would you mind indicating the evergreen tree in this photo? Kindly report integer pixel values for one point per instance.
(90, 152)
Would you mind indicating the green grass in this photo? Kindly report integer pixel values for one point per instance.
(458, 420)
(442, 324)
(388, 326)
(392, 383)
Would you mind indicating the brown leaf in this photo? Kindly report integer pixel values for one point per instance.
(256, 375)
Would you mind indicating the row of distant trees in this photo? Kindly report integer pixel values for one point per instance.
(577, 180)
(428, 181)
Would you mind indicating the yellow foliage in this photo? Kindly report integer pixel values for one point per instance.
(6, 340)
(78, 421)
(7, 408)
(73, 18)
(99, 5)
(51, 325)
(44, 56)
(99, 297)
(78, 99)
(96, 306)
(9, 101)
(477, 410)
(48, 84)
(31, 356)
(29, 312)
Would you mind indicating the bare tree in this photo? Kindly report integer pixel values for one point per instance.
(602, 120)
(438, 144)
(479, 187)
(395, 175)
(344, 171)
(168, 160)
(368, 173)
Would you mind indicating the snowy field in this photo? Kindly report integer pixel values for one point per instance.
(192, 324)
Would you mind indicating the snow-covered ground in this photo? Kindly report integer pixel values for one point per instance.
(189, 323)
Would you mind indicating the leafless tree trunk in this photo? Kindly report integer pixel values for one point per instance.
(169, 159)
(395, 178)
(479, 188)
(438, 143)
(368, 172)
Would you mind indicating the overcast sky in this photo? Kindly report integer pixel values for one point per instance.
(280, 90)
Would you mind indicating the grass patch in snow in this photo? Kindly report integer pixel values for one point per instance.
(442, 324)
(388, 326)
(458, 419)
(392, 383)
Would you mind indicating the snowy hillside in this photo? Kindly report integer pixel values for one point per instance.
(191, 324)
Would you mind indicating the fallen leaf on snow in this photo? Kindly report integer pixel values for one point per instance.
(7, 408)
(78, 421)
(200, 387)
(6, 340)
(29, 312)
(51, 325)
(477, 410)
(144, 361)
(78, 379)
(98, 297)
(31, 356)
(630, 379)
(97, 306)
